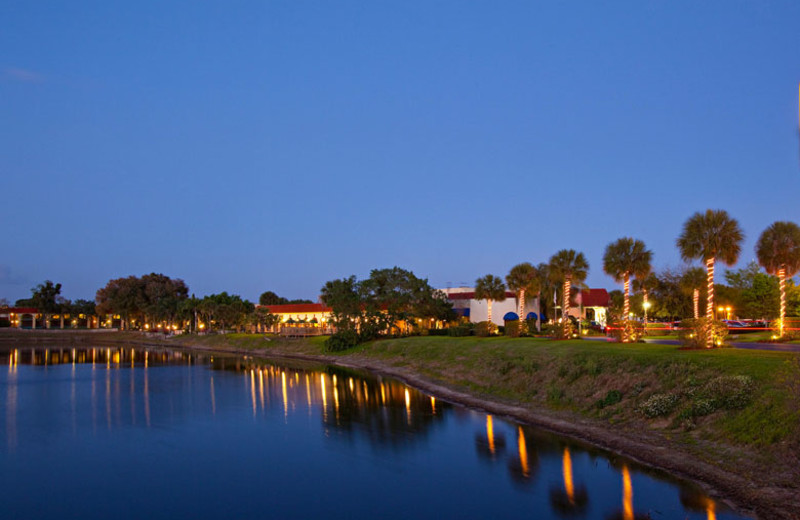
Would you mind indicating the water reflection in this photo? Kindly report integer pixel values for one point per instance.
(130, 389)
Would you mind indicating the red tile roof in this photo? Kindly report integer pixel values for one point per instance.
(594, 298)
(294, 308)
(19, 310)
(471, 295)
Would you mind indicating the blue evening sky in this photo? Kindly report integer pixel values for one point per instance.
(252, 146)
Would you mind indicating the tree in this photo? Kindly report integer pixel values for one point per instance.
(568, 266)
(521, 279)
(778, 252)
(45, 297)
(691, 282)
(270, 298)
(490, 288)
(625, 258)
(751, 292)
(710, 236)
(344, 298)
(121, 296)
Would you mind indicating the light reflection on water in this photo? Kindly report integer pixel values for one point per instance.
(273, 436)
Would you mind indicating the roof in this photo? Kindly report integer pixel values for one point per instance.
(594, 298)
(19, 310)
(294, 308)
(470, 295)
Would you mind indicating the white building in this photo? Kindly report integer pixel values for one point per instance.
(465, 304)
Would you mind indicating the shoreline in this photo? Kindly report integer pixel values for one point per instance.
(736, 491)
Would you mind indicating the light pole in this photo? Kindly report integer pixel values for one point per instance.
(646, 306)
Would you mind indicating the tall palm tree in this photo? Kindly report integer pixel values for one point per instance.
(490, 288)
(568, 266)
(625, 258)
(545, 292)
(710, 236)
(691, 282)
(778, 251)
(521, 279)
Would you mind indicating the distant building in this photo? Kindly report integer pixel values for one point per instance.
(466, 305)
(311, 316)
(591, 305)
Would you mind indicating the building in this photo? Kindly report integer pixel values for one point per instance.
(591, 305)
(312, 318)
(465, 304)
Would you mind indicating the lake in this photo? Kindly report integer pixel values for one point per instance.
(155, 433)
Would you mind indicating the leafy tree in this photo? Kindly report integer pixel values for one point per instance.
(343, 296)
(490, 288)
(778, 251)
(45, 297)
(270, 298)
(624, 258)
(752, 293)
(646, 285)
(225, 309)
(710, 236)
(85, 307)
(521, 279)
(568, 266)
(121, 296)
(262, 316)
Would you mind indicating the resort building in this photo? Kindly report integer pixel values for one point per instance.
(466, 305)
(313, 318)
(591, 305)
(31, 318)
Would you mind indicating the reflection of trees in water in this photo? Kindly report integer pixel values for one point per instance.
(573, 498)
(383, 411)
(110, 356)
(695, 500)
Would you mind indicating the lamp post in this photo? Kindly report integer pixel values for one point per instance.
(728, 312)
(646, 306)
(720, 310)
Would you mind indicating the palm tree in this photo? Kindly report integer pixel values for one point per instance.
(778, 251)
(521, 279)
(708, 236)
(490, 288)
(625, 258)
(691, 282)
(567, 266)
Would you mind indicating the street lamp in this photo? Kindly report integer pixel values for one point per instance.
(720, 310)
(728, 312)
(646, 306)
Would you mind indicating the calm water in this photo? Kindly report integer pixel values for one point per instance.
(121, 433)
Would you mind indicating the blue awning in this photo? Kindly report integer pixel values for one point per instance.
(464, 311)
(531, 316)
(511, 316)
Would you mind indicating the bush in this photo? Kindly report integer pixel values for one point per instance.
(658, 405)
(611, 398)
(729, 392)
(631, 330)
(512, 329)
(562, 330)
(695, 332)
(466, 329)
(438, 332)
(485, 328)
(342, 340)
(530, 327)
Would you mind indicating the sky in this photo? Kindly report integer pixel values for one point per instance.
(252, 146)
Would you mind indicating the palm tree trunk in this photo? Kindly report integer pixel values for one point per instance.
(489, 304)
(782, 286)
(696, 301)
(626, 304)
(521, 305)
(710, 299)
(565, 305)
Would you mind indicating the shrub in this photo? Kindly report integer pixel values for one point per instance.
(562, 330)
(695, 332)
(611, 398)
(458, 331)
(530, 327)
(485, 328)
(729, 392)
(632, 330)
(342, 340)
(658, 405)
(512, 329)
